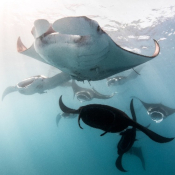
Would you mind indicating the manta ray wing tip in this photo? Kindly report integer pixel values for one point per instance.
(157, 48)
(20, 45)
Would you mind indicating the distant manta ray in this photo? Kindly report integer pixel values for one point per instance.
(37, 84)
(137, 151)
(79, 47)
(157, 111)
(64, 115)
(85, 94)
(120, 80)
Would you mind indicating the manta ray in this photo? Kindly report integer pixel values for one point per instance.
(37, 84)
(137, 151)
(79, 47)
(120, 80)
(126, 143)
(64, 115)
(109, 119)
(85, 94)
(157, 111)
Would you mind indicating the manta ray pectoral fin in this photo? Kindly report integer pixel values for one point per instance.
(137, 151)
(157, 49)
(65, 109)
(28, 52)
(101, 96)
(135, 59)
(145, 127)
(9, 90)
(118, 163)
(152, 135)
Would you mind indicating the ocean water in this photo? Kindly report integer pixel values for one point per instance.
(30, 141)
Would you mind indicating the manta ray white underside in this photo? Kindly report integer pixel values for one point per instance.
(79, 47)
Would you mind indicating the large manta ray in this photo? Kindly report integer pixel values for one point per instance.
(85, 94)
(109, 119)
(37, 84)
(79, 47)
(157, 111)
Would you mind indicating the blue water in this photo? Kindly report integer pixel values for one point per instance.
(30, 141)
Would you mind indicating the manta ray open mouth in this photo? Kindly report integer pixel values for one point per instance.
(156, 116)
(26, 82)
(83, 96)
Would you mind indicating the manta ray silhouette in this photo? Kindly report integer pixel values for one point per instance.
(157, 111)
(109, 119)
(126, 143)
(112, 120)
(79, 47)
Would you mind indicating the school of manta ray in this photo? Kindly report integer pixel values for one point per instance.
(81, 50)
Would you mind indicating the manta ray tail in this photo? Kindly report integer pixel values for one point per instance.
(118, 163)
(152, 135)
(65, 109)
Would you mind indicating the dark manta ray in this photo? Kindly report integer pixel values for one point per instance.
(37, 84)
(109, 119)
(126, 142)
(85, 94)
(157, 111)
(79, 47)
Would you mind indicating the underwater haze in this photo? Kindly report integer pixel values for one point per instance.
(31, 143)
